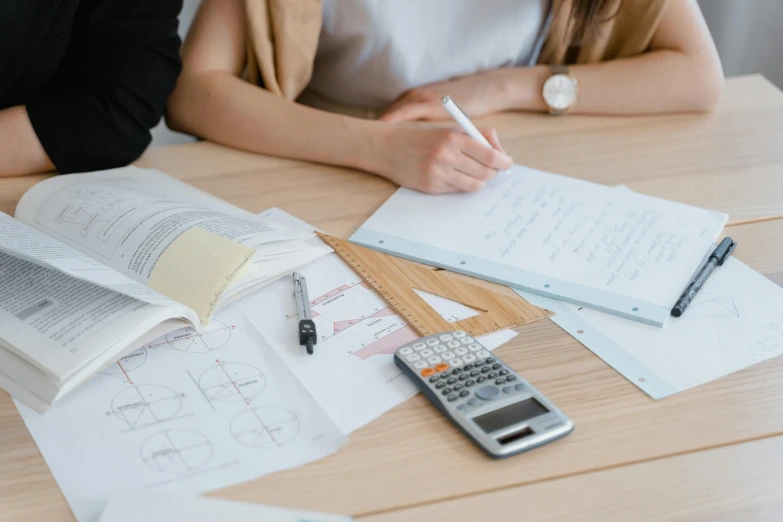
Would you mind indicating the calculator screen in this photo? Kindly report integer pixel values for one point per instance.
(512, 414)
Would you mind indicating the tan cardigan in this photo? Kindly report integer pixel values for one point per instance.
(283, 39)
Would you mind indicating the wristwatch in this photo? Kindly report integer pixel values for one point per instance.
(560, 90)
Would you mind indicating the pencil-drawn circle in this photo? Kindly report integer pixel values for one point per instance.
(232, 382)
(130, 362)
(207, 339)
(265, 427)
(145, 405)
(176, 451)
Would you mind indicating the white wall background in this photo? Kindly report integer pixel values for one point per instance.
(748, 33)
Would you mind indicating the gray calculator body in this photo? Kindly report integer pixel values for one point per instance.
(490, 402)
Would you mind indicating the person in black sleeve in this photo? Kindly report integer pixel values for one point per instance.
(82, 82)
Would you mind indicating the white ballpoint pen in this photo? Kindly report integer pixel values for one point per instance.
(463, 121)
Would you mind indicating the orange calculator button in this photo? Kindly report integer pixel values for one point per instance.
(426, 372)
(442, 367)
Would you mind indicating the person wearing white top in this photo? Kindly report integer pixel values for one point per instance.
(382, 64)
(370, 52)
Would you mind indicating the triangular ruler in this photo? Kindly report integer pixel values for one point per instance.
(396, 280)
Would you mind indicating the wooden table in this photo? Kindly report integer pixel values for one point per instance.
(711, 453)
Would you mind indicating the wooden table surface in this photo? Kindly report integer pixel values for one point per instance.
(707, 454)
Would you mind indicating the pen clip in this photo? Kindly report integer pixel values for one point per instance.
(727, 253)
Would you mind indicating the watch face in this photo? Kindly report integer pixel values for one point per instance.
(560, 92)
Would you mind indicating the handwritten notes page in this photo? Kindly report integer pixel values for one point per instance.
(735, 321)
(557, 236)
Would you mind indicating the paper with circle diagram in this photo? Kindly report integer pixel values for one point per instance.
(195, 410)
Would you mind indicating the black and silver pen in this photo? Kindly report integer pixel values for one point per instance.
(307, 335)
(716, 259)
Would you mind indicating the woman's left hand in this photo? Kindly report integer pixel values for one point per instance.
(477, 94)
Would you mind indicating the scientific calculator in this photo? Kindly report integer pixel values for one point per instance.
(490, 402)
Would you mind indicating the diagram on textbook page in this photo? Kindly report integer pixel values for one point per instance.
(102, 213)
(192, 411)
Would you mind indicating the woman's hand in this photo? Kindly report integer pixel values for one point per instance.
(435, 159)
(477, 94)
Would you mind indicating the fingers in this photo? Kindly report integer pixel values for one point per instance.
(492, 158)
(492, 138)
(462, 182)
(414, 111)
(467, 165)
(453, 161)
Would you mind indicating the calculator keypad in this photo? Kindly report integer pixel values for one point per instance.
(461, 370)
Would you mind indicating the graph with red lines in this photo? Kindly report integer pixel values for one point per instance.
(355, 315)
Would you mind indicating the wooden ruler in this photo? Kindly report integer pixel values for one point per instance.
(395, 279)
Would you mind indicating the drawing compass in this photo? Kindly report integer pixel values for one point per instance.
(307, 335)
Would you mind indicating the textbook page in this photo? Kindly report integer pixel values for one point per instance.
(154, 506)
(193, 411)
(58, 323)
(156, 230)
(22, 241)
(561, 237)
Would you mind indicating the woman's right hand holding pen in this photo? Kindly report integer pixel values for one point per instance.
(433, 159)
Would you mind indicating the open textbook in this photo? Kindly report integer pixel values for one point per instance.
(96, 264)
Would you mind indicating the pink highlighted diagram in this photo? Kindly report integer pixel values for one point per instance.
(355, 315)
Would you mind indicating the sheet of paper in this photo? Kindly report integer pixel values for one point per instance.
(191, 412)
(605, 247)
(352, 373)
(735, 321)
(154, 506)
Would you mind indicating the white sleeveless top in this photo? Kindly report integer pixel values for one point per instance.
(371, 51)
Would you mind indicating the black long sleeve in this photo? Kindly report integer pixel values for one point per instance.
(111, 88)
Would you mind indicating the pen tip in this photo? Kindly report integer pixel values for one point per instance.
(446, 99)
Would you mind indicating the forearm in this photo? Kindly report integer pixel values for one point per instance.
(225, 109)
(655, 82)
(20, 150)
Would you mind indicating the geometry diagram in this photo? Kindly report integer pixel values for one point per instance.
(722, 306)
(176, 451)
(355, 315)
(102, 213)
(130, 362)
(232, 382)
(264, 427)
(145, 405)
(190, 340)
